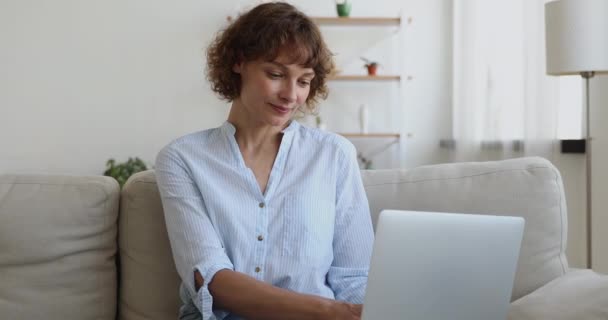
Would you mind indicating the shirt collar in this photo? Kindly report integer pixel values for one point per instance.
(228, 128)
(291, 127)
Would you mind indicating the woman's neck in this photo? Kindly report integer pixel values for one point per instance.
(251, 135)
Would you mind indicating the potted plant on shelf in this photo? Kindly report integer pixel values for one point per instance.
(343, 7)
(372, 66)
(365, 163)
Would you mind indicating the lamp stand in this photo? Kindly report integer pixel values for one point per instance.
(588, 75)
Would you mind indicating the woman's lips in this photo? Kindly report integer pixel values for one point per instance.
(281, 110)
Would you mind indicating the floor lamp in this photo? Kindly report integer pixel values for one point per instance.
(577, 44)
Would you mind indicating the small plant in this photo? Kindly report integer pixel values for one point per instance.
(122, 171)
(343, 7)
(372, 66)
(319, 122)
(366, 162)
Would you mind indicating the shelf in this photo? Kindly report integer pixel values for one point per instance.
(365, 78)
(371, 135)
(357, 21)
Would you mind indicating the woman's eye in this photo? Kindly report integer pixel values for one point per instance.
(304, 83)
(274, 75)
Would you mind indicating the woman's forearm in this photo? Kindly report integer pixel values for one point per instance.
(245, 296)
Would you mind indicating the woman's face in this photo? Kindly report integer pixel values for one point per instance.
(272, 91)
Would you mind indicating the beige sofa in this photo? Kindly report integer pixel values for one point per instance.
(74, 247)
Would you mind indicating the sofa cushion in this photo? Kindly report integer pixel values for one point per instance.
(580, 294)
(149, 283)
(527, 187)
(58, 247)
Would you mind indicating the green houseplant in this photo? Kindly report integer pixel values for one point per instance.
(122, 171)
(343, 7)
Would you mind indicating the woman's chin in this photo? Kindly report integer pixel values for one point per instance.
(279, 121)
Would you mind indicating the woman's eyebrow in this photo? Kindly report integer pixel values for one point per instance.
(284, 67)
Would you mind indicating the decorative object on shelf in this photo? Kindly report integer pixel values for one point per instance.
(365, 159)
(122, 171)
(343, 7)
(372, 66)
(366, 163)
(363, 118)
(577, 43)
(320, 123)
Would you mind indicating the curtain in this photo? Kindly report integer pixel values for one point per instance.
(504, 105)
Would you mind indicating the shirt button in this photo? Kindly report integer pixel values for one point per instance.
(262, 204)
(257, 269)
(260, 237)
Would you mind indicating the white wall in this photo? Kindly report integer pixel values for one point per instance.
(572, 168)
(84, 81)
(599, 132)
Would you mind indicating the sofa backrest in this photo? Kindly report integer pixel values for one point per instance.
(527, 187)
(149, 284)
(58, 247)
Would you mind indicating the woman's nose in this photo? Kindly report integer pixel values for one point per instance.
(288, 91)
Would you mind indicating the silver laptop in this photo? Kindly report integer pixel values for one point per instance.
(440, 266)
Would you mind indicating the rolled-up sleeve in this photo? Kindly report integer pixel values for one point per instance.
(194, 241)
(353, 236)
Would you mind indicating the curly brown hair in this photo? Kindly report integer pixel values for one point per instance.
(262, 33)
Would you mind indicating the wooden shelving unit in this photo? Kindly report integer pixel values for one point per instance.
(371, 135)
(357, 21)
(378, 142)
(365, 78)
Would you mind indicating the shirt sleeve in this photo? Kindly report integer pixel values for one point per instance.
(353, 236)
(194, 241)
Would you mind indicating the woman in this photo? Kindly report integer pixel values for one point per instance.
(267, 219)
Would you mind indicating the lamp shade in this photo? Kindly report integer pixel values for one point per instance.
(576, 36)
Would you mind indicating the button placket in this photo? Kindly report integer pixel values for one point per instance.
(260, 246)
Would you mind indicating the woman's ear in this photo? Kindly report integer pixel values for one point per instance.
(237, 67)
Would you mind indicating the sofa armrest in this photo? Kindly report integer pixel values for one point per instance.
(579, 294)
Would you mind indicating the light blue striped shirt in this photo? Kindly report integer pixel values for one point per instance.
(310, 232)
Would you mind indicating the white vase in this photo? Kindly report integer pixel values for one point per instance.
(363, 118)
